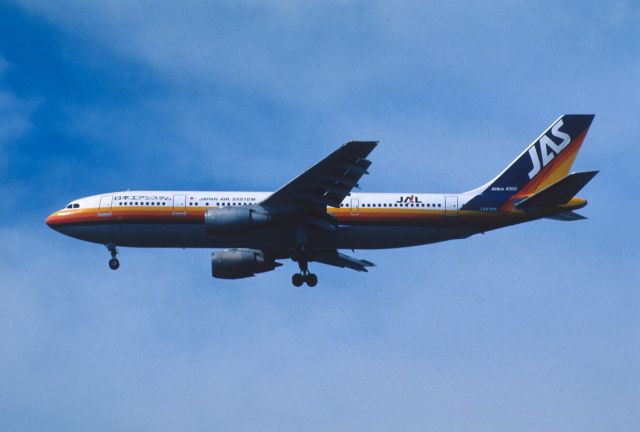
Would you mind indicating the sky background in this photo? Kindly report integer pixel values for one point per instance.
(534, 327)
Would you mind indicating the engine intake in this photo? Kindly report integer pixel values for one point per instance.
(235, 220)
(240, 263)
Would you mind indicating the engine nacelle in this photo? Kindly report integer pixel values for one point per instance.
(240, 263)
(235, 220)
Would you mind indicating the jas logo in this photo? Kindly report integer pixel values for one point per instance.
(412, 199)
(548, 149)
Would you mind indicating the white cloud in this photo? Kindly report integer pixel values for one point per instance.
(418, 77)
(14, 112)
(317, 55)
(165, 347)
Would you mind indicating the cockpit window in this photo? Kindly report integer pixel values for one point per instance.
(76, 206)
(69, 206)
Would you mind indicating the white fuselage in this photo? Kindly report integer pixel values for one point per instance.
(176, 219)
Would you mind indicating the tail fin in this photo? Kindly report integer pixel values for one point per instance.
(547, 160)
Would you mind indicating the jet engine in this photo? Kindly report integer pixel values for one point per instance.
(240, 263)
(235, 220)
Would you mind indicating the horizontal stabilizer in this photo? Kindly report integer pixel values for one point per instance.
(569, 216)
(558, 193)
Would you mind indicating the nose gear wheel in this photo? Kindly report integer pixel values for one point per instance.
(114, 263)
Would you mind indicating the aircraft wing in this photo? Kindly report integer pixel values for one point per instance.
(335, 258)
(326, 183)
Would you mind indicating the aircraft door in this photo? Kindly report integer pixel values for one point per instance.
(451, 206)
(179, 205)
(355, 206)
(105, 206)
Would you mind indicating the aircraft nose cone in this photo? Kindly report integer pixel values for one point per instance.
(52, 221)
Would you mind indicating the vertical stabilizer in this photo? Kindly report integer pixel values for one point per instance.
(544, 162)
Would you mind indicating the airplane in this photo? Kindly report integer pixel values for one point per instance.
(316, 214)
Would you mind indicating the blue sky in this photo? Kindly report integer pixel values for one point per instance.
(535, 327)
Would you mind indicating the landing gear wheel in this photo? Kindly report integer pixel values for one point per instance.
(297, 280)
(311, 279)
(114, 264)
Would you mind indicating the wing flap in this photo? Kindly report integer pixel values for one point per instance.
(337, 259)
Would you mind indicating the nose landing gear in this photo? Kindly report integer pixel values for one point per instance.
(114, 263)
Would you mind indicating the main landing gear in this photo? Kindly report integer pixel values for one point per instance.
(304, 276)
(303, 259)
(114, 264)
(299, 278)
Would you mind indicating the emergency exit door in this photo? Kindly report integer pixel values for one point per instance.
(179, 205)
(105, 206)
(355, 206)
